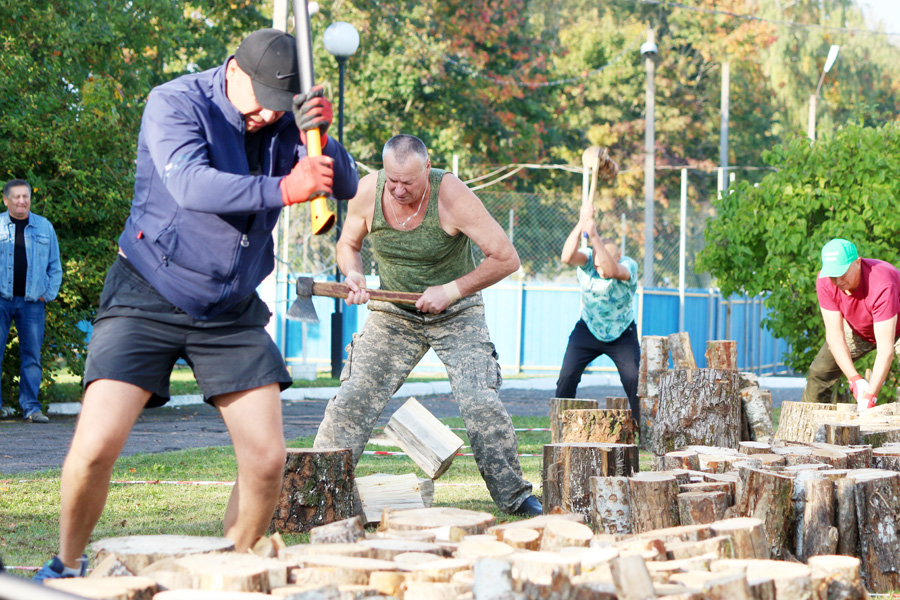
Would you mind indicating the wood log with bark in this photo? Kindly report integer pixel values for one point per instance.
(768, 497)
(681, 351)
(699, 406)
(597, 426)
(610, 505)
(569, 467)
(654, 501)
(136, 552)
(380, 491)
(701, 507)
(317, 489)
(654, 362)
(104, 588)
(877, 495)
(617, 403)
(560, 405)
(758, 413)
(721, 354)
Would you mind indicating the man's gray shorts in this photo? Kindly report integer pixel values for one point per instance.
(138, 336)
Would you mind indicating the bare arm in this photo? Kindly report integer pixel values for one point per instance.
(360, 210)
(606, 265)
(884, 353)
(460, 210)
(571, 253)
(834, 337)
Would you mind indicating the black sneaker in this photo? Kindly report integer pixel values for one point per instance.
(53, 569)
(530, 508)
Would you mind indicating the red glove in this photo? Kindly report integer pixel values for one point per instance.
(313, 110)
(853, 381)
(869, 400)
(311, 177)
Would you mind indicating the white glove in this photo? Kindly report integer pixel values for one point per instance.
(859, 390)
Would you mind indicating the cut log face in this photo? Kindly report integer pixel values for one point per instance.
(699, 406)
(469, 521)
(106, 588)
(561, 534)
(558, 406)
(317, 489)
(597, 426)
(792, 580)
(797, 424)
(390, 549)
(380, 491)
(138, 551)
(631, 578)
(233, 572)
(427, 441)
(346, 531)
(569, 467)
(701, 507)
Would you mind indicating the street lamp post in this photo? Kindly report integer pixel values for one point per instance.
(811, 124)
(341, 40)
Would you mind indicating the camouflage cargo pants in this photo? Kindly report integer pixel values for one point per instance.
(824, 372)
(381, 357)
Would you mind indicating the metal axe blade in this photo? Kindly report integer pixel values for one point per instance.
(303, 309)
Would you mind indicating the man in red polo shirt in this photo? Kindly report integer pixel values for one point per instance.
(860, 300)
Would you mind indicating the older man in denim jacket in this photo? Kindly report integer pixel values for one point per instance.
(30, 276)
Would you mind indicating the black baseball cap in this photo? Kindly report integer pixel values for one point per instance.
(269, 57)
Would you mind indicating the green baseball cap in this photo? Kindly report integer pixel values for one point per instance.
(837, 256)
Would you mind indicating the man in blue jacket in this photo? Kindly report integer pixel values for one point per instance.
(217, 161)
(30, 276)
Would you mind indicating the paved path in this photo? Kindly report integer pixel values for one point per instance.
(28, 447)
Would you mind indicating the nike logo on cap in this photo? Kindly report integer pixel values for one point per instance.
(278, 75)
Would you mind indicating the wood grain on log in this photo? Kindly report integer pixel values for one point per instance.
(721, 354)
(617, 403)
(317, 489)
(701, 507)
(345, 531)
(427, 441)
(747, 534)
(796, 423)
(649, 408)
(106, 588)
(562, 534)
(768, 497)
(758, 413)
(138, 551)
(820, 533)
(877, 495)
(654, 501)
(469, 521)
(654, 361)
(380, 491)
(558, 406)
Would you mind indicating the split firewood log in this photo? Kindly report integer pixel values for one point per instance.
(558, 406)
(139, 551)
(106, 588)
(317, 489)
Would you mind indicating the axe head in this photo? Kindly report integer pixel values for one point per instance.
(302, 309)
(590, 158)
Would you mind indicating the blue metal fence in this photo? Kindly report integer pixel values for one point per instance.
(530, 325)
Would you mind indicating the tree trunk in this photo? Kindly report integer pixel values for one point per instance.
(610, 505)
(597, 426)
(569, 467)
(654, 501)
(848, 528)
(558, 406)
(877, 495)
(697, 407)
(680, 349)
(767, 496)
(317, 489)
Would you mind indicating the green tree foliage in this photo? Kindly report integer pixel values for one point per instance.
(767, 239)
(75, 76)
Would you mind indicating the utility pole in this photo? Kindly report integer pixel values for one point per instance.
(648, 51)
(723, 130)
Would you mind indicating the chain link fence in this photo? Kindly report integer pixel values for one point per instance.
(539, 206)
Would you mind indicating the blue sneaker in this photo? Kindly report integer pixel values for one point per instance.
(55, 569)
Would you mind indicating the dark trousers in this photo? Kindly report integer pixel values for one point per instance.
(583, 348)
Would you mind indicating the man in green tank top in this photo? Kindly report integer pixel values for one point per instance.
(422, 223)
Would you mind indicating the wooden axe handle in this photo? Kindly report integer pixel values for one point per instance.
(333, 289)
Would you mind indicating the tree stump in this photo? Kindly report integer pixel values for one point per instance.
(654, 362)
(836, 577)
(654, 501)
(137, 552)
(317, 489)
(562, 534)
(700, 406)
(721, 354)
(560, 405)
(680, 349)
(610, 505)
(877, 495)
(697, 508)
(569, 467)
(428, 442)
(768, 497)
(597, 426)
(682, 459)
